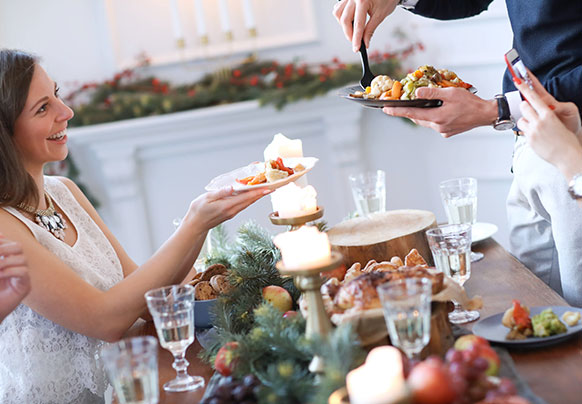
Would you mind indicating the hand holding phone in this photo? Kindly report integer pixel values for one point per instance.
(517, 68)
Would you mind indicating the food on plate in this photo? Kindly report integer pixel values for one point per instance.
(522, 326)
(385, 88)
(428, 76)
(517, 319)
(210, 283)
(274, 171)
(357, 291)
(547, 323)
(571, 318)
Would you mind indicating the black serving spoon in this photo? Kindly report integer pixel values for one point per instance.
(367, 75)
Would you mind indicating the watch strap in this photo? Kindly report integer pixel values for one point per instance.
(408, 4)
(504, 121)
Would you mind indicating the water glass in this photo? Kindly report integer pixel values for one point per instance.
(132, 368)
(369, 190)
(406, 306)
(451, 249)
(172, 309)
(459, 198)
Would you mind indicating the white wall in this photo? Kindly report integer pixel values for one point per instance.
(74, 39)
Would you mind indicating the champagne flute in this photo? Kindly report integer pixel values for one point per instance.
(451, 248)
(406, 306)
(172, 309)
(132, 368)
(459, 198)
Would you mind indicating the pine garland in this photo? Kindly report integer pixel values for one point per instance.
(273, 347)
(127, 95)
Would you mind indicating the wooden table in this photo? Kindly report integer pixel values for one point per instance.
(554, 373)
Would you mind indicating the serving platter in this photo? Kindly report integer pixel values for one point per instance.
(482, 231)
(347, 92)
(492, 330)
(229, 179)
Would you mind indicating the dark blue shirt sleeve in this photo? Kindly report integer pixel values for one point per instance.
(450, 9)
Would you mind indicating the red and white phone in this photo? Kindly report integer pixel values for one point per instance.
(517, 68)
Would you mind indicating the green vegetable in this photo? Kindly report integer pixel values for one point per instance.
(547, 323)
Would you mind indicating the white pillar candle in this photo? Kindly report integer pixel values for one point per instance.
(303, 248)
(248, 13)
(224, 20)
(283, 147)
(293, 201)
(200, 19)
(176, 26)
(380, 380)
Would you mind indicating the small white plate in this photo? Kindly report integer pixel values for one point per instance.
(229, 179)
(482, 231)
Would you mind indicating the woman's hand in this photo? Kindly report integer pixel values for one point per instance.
(212, 208)
(352, 14)
(14, 279)
(552, 128)
(567, 112)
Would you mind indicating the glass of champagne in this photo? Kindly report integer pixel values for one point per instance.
(172, 309)
(132, 368)
(451, 248)
(369, 190)
(406, 306)
(459, 198)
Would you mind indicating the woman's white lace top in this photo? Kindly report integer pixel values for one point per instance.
(41, 361)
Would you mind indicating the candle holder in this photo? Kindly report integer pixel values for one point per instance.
(309, 281)
(296, 222)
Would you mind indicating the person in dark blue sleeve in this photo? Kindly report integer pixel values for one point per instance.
(544, 220)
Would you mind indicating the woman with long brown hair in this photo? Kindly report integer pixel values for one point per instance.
(85, 288)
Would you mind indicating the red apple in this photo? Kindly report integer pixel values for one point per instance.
(290, 314)
(431, 384)
(278, 297)
(226, 358)
(467, 341)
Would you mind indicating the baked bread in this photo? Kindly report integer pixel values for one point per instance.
(414, 259)
(204, 291)
(220, 284)
(215, 269)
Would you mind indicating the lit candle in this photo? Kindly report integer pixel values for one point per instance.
(293, 201)
(303, 248)
(380, 380)
(200, 20)
(248, 13)
(283, 147)
(176, 26)
(224, 20)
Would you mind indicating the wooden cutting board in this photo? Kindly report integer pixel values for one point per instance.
(381, 236)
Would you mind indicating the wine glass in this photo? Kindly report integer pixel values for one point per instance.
(132, 368)
(451, 248)
(406, 306)
(459, 198)
(172, 309)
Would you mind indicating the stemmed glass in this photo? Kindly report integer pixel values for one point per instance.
(172, 309)
(451, 248)
(132, 368)
(459, 198)
(406, 306)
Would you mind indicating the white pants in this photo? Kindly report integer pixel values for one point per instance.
(545, 223)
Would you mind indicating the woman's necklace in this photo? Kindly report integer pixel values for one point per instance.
(48, 218)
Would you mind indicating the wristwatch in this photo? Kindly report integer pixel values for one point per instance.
(575, 187)
(408, 4)
(503, 121)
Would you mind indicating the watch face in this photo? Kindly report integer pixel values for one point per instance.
(504, 125)
(577, 186)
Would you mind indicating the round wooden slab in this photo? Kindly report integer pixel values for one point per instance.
(382, 236)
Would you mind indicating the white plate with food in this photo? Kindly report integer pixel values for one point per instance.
(493, 330)
(482, 231)
(263, 175)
